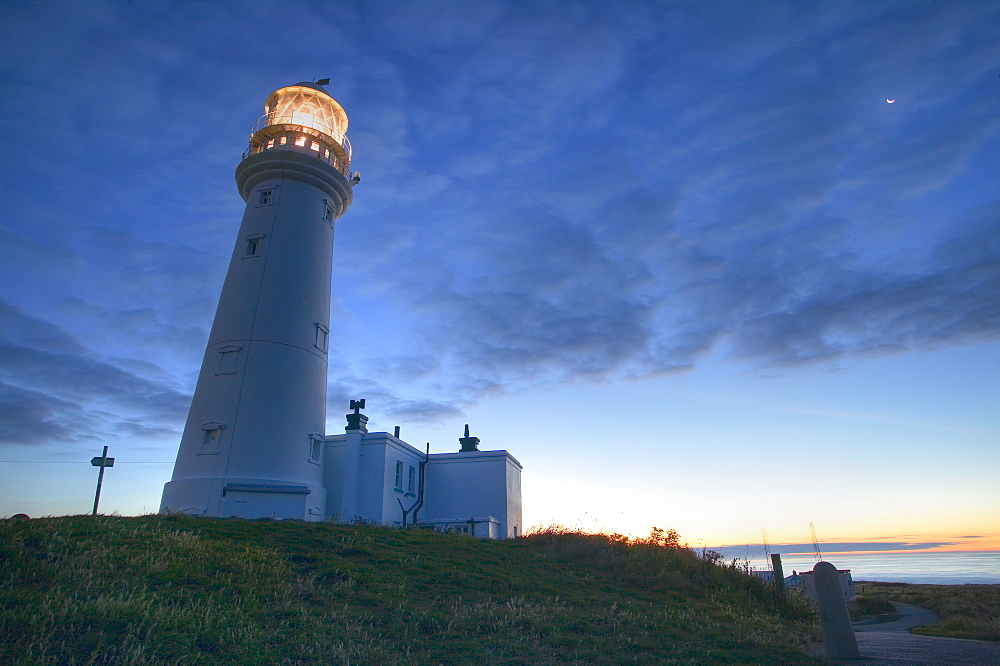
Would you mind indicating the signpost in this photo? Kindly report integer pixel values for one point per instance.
(101, 461)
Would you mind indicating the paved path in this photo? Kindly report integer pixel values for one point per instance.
(885, 641)
(901, 649)
(906, 617)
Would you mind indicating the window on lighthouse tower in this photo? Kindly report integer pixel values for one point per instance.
(212, 433)
(254, 246)
(322, 337)
(227, 360)
(315, 448)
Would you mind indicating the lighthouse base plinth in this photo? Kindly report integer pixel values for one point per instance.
(244, 498)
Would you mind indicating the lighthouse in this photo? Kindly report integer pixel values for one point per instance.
(253, 443)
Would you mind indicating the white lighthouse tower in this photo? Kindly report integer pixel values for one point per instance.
(253, 444)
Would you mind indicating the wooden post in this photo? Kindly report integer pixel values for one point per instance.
(102, 462)
(779, 574)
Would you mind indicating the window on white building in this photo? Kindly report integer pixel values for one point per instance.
(266, 197)
(227, 360)
(399, 475)
(211, 440)
(315, 448)
(322, 337)
(254, 246)
(212, 434)
(411, 479)
(327, 211)
(301, 141)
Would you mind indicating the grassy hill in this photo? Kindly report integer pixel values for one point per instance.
(147, 590)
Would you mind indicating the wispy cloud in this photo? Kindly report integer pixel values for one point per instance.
(757, 550)
(551, 193)
(54, 389)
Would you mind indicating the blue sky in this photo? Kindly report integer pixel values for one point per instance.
(682, 259)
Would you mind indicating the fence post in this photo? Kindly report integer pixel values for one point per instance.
(779, 574)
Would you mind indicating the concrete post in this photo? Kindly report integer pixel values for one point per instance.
(779, 574)
(834, 618)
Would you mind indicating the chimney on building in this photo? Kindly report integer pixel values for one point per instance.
(357, 420)
(468, 443)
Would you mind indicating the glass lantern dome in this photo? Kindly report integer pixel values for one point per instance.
(304, 117)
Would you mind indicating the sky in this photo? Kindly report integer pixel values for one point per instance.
(683, 260)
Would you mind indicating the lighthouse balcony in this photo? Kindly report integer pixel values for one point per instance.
(302, 143)
(305, 122)
(319, 141)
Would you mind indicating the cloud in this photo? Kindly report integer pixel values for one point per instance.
(56, 389)
(31, 417)
(718, 210)
(386, 403)
(757, 550)
(529, 297)
(952, 300)
(551, 193)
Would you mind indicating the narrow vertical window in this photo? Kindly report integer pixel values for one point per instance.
(282, 140)
(411, 479)
(270, 144)
(266, 197)
(253, 246)
(227, 360)
(399, 475)
(327, 212)
(315, 448)
(322, 337)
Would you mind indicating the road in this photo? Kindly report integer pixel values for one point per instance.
(886, 641)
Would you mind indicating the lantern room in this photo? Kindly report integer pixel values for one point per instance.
(304, 118)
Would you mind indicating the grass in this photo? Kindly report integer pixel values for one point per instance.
(869, 602)
(967, 611)
(165, 590)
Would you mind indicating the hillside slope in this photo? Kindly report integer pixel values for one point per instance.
(203, 591)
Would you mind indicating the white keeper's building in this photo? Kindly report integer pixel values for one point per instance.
(254, 444)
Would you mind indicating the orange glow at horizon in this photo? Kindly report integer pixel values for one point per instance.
(954, 545)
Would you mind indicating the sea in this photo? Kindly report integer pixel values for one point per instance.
(954, 568)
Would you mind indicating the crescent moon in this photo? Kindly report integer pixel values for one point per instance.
(891, 101)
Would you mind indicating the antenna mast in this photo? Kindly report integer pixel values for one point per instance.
(812, 530)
